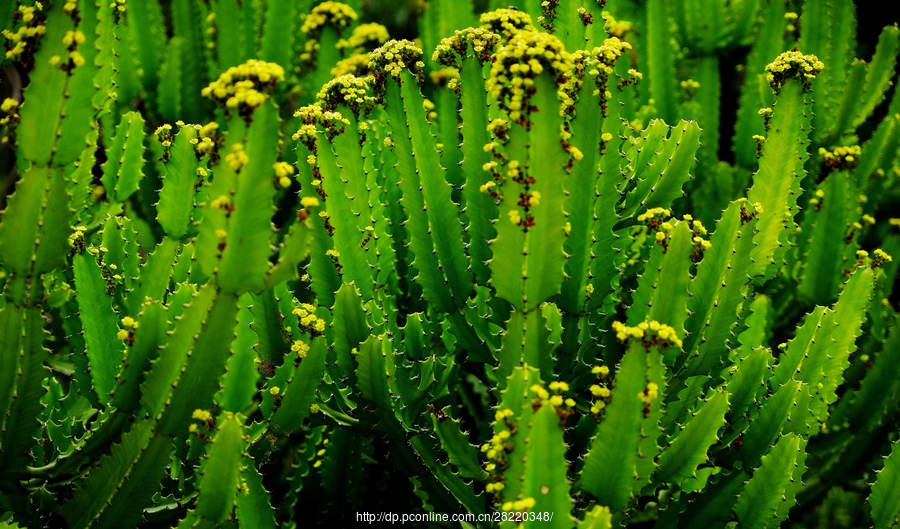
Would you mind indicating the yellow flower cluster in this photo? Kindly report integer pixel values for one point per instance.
(494, 487)
(596, 63)
(690, 85)
(452, 49)
(282, 169)
(245, 87)
(205, 141)
(507, 22)
(117, 5)
(517, 64)
(27, 35)
(497, 444)
(496, 448)
(117, 277)
(616, 28)
(21, 38)
(793, 64)
(611, 49)
(300, 347)
(75, 59)
(365, 37)
(283, 172)
(129, 325)
(749, 211)
(817, 200)
(504, 414)
(347, 90)
(649, 333)
(307, 315)
(309, 202)
(208, 130)
(654, 219)
(448, 77)
(73, 38)
(9, 117)
(77, 235)
(843, 157)
(556, 400)
(662, 236)
(393, 57)
(327, 13)
(309, 53)
(602, 393)
(649, 393)
(791, 17)
(313, 119)
(201, 415)
(548, 14)
(698, 230)
(587, 62)
(237, 158)
(222, 202)
(27, 13)
(9, 105)
(499, 128)
(428, 105)
(356, 64)
(879, 257)
(519, 505)
(164, 134)
(653, 214)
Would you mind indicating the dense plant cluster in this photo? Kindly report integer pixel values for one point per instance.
(263, 265)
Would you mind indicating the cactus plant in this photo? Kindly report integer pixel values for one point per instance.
(259, 260)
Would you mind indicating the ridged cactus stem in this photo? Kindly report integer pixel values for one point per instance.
(784, 152)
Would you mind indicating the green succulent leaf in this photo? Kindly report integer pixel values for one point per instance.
(884, 501)
(759, 503)
(688, 449)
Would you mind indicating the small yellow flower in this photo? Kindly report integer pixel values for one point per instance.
(73, 38)
(9, 105)
(600, 370)
(76, 58)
